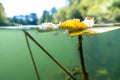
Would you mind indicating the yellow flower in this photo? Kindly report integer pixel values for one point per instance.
(76, 33)
(73, 24)
(75, 27)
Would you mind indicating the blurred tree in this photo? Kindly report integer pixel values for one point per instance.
(72, 2)
(45, 17)
(59, 16)
(20, 20)
(16, 19)
(76, 14)
(3, 19)
(34, 19)
(53, 10)
(116, 3)
(30, 19)
(68, 12)
(103, 11)
(115, 10)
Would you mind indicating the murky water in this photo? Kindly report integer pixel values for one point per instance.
(101, 53)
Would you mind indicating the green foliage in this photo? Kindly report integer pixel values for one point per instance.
(16, 20)
(103, 11)
(59, 16)
(29, 19)
(3, 20)
(115, 10)
(45, 17)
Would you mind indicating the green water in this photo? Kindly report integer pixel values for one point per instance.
(15, 61)
(101, 53)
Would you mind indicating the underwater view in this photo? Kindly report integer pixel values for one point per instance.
(100, 51)
(59, 40)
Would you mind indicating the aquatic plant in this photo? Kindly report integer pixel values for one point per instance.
(75, 27)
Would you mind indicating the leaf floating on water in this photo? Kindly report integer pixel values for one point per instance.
(103, 29)
(92, 31)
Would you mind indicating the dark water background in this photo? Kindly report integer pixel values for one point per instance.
(101, 53)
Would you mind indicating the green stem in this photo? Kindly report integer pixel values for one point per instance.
(32, 58)
(85, 75)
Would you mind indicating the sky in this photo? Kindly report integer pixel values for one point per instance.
(24, 7)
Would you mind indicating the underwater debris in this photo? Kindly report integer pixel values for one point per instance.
(77, 72)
